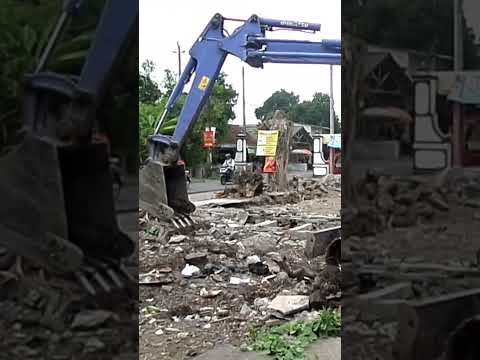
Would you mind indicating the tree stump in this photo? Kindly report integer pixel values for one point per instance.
(279, 180)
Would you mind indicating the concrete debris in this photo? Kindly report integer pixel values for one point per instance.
(156, 277)
(199, 259)
(409, 241)
(254, 259)
(92, 319)
(228, 352)
(209, 293)
(225, 275)
(260, 244)
(288, 305)
(261, 304)
(177, 239)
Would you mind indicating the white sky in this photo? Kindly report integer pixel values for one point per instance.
(161, 26)
(471, 9)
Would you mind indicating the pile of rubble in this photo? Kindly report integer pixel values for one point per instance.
(244, 266)
(47, 316)
(399, 274)
(387, 302)
(386, 202)
(251, 185)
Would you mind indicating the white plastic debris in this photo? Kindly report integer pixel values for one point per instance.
(190, 270)
(238, 281)
(254, 259)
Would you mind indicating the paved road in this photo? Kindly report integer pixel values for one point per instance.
(205, 185)
(208, 185)
(322, 349)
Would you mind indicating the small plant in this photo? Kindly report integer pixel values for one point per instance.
(289, 341)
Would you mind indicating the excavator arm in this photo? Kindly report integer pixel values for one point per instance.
(57, 183)
(250, 44)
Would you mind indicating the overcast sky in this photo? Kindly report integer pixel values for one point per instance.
(472, 14)
(161, 26)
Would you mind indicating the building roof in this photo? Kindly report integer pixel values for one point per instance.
(234, 131)
(409, 59)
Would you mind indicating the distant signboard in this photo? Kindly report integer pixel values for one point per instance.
(270, 165)
(335, 141)
(267, 143)
(208, 139)
(466, 89)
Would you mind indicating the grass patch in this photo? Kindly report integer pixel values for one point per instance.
(289, 341)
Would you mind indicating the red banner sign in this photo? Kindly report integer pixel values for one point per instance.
(270, 165)
(208, 139)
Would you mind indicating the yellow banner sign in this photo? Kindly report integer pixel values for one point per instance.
(267, 143)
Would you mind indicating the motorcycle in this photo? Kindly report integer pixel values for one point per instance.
(188, 178)
(226, 175)
(117, 175)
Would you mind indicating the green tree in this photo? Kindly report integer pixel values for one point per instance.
(218, 112)
(309, 112)
(148, 117)
(148, 90)
(26, 27)
(169, 82)
(279, 100)
(421, 25)
(315, 112)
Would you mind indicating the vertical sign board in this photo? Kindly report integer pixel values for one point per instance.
(267, 143)
(208, 139)
(267, 146)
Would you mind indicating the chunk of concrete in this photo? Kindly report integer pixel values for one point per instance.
(228, 352)
(325, 349)
(319, 241)
(199, 259)
(289, 304)
(300, 232)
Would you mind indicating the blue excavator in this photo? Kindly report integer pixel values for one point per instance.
(163, 189)
(56, 185)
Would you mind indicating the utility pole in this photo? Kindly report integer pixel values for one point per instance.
(241, 155)
(243, 101)
(458, 34)
(458, 66)
(332, 119)
(179, 52)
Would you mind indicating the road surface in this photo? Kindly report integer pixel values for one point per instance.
(209, 185)
(205, 185)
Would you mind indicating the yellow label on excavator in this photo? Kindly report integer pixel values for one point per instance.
(203, 83)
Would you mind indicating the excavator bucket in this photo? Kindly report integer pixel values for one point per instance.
(163, 190)
(163, 184)
(33, 220)
(60, 205)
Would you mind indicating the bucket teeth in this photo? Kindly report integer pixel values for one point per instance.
(93, 272)
(85, 283)
(183, 221)
(174, 222)
(108, 276)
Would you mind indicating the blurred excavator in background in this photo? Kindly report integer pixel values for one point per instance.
(56, 186)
